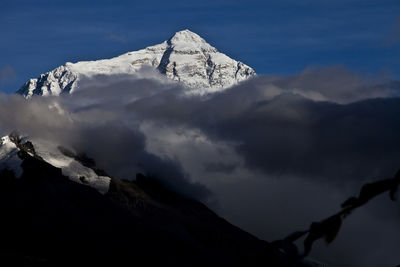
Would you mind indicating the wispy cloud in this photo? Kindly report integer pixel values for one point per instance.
(394, 36)
(116, 37)
(7, 74)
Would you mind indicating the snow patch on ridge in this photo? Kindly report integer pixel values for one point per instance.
(9, 156)
(71, 167)
(50, 153)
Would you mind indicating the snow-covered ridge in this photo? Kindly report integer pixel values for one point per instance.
(71, 167)
(9, 156)
(185, 58)
(50, 153)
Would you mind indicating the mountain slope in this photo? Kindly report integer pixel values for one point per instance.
(53, 220)
(185, 58)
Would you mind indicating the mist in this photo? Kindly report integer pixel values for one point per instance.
(271, 154)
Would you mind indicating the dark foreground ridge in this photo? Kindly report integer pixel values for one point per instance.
(49, 220)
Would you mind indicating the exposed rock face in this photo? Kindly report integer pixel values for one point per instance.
(185, 58)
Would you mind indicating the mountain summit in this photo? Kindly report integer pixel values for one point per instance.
(185, 58)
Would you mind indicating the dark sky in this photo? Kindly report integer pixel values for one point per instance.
(273, 37)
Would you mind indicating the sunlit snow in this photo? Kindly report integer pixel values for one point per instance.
(186, 58)
(8, 156)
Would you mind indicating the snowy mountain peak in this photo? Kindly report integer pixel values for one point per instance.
(187, 39)
(187, 36)
(189, 43)
(185, 57)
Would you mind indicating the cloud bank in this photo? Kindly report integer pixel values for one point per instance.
(276, 152)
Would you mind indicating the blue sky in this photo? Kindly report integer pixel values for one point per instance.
(274, 37)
